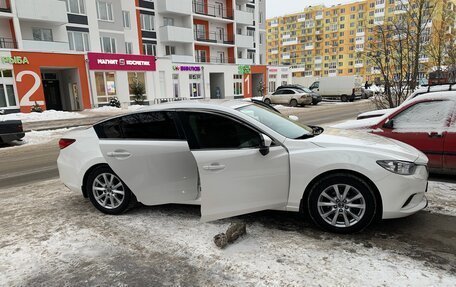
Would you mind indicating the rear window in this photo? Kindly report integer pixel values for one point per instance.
(150, 125)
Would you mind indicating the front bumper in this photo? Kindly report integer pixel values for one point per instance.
(304, 101)
(403, 195)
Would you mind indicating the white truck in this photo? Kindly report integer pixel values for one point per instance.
(345, 88)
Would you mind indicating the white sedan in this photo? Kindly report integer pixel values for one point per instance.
(238, 157)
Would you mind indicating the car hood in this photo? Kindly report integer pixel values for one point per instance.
(338, 138)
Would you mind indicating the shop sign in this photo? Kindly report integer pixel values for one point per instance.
(187, 68)
(119, 62)
(244, 69)
(17, 60)
(273, 70)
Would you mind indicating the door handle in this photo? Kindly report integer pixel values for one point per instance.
(118, 154)
(214, 167)
(435, 134)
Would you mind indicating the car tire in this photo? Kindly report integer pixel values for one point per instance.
(267, 101)
(314, 103)
(107, 192)
(293, 103)
(343, 98)
(342, 203)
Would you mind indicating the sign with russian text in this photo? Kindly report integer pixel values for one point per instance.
(244, 69)
(17, 60)
(187, 68)
(121, 62)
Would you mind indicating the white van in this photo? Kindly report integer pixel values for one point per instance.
(345, 88)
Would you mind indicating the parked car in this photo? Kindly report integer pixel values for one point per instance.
(316, 98)
(418, 92)
(427, 122)
(238, 157)
(366, 93)
(292, 97)
(11, 130)
(345, 88)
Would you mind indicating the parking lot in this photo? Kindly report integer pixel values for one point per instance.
(52, 237)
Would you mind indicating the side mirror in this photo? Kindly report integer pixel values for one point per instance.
(389, 124)
(293, 118)
(266, 143)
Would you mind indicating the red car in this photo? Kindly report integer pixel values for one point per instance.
(428, 122)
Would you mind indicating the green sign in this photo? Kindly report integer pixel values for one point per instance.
(15, 60)
(244, 69)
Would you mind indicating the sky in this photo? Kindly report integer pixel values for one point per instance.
(276, 8)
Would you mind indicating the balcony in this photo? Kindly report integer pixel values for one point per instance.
(183, 7)
(244, 61)
(213, 37)
(175, 34)
(46, 46)
(7, 43)
(244, 41)
(215, 60)
(51, 11)
(308, 47)
(243, 17)
(199, 7)
(5, 6)
(359, 64)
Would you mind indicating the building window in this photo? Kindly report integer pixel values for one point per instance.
(104, 11)
(126, 19)
(176, 85)
(75, 7)
(128, 48)
(170, 50)
(168, 21)
(108, 44)
(237, 85)
(42, 34)
(106, 86)
(195, 86)
(136, 79)
(147, 22)
(79, 41)
(7, 96)
(149, 49)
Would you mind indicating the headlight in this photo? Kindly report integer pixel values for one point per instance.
(397, 166)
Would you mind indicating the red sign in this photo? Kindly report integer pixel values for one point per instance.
(121, 62)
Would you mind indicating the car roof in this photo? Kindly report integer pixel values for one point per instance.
(221, 104)
(440, 95)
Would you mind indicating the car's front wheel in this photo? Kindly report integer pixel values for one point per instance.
(342, 203)
(107, 192)
(293, 103)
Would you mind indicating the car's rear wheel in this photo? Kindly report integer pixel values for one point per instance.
(293, 103)
(343, 98)
(342, 203)
(267, 101)
(107, 192)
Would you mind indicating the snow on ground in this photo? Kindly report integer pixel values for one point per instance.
(109, 109)
(58, 239)
(442, 197)
(48, 115)
(39, 137)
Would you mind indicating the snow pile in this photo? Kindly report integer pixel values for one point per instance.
(442, 197)
(169, 246)
(39, 137)
(47, 115)
(109, 109)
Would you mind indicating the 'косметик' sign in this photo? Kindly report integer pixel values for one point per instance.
(120, 62)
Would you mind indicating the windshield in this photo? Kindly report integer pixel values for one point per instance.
(277, 122)
(306, 90)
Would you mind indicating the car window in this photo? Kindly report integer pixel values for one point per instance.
(278, 92)
(211, 131)
(148, 125)
(434, 114)
(277, 122)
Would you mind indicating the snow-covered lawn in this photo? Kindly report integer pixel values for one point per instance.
(442, 198)
(49, 115)
(53, 237)
(39, 137)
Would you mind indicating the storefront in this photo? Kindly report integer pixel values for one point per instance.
(278, 76)
(121, 76)
(51, 80)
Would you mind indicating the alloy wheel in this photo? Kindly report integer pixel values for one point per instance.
(341, 205)
(108, 190)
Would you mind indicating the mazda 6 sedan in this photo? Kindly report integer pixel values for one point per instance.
(237, 157)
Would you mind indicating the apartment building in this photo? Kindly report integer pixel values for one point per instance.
(77, 54)
(332, 41)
